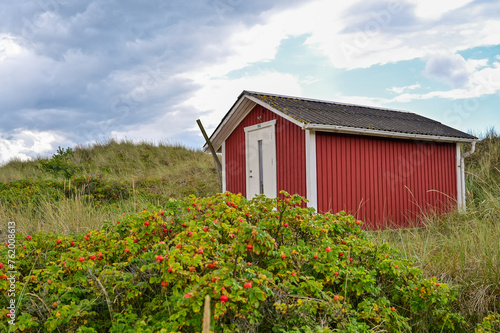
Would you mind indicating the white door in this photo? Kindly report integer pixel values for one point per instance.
(261, 159)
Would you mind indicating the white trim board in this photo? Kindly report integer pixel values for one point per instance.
(460, 201)
(234, 117)
(311, 171)
(386, 134)
(224, 178)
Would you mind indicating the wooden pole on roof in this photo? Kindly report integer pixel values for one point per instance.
(218, 166)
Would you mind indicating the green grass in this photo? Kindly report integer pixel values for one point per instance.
(79, 189)
(121, 160)
(463, 248)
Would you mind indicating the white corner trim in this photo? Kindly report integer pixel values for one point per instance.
(224, 185)
(311, 173)
(460, 177)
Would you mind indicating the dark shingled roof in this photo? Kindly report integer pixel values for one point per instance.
(309, 111)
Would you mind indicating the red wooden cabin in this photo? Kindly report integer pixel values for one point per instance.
(383, 166)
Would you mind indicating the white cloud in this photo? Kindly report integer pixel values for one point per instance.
(379, 38)
(384, 37)
(9, 47)
(210, 102)
(362, 100)
(474, 64)
(432, 9)
(217, 95)
(485, 81)
(399, 90)
(448, 68)
(257, 44)
(309, 79)
(393, 32)
(125, 68)
(261, 42)
(25, 144)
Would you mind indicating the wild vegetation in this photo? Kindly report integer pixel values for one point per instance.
(268, 265)
(76, 190)
(81, 193)
(463, 248)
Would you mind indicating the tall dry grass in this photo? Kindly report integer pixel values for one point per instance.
(463, 248)
(154, 173)
(67, 216)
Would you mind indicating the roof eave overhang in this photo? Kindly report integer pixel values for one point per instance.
(387, 134)
(234, 116)
(244, 104)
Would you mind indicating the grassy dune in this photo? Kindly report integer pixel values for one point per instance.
(78, 189)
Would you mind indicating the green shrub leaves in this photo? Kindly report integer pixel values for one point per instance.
(269, 265)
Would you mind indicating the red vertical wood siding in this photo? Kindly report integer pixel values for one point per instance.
(384, 181)
(290, 154)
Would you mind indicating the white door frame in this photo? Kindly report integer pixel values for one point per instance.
(273, 186)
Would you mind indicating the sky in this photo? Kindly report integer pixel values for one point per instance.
(77, 72)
